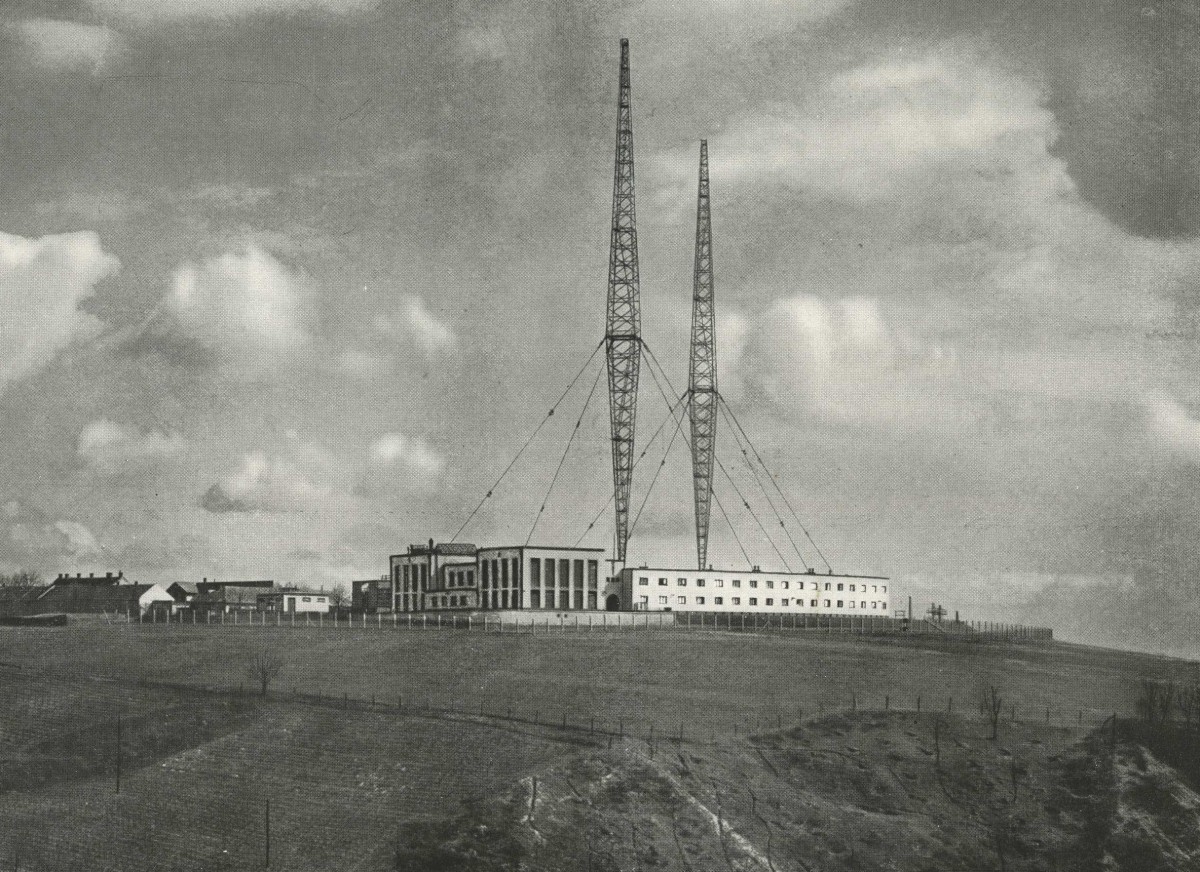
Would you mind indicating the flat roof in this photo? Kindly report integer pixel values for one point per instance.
(752, 572)
(539, 548)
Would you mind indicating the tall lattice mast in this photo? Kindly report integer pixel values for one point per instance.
(623, 326)
(702, 374)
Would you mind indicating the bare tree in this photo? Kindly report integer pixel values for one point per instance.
(337, 597)
(1155, 700)
(264, 668)
(990, 704)
(1187, 700)
(23, 578)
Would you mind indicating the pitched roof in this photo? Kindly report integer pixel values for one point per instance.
(89, 599)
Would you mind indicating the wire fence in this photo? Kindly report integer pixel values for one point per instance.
(549, 622)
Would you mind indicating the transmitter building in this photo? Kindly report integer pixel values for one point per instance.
(459, 576)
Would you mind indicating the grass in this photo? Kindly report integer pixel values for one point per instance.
(785, 741)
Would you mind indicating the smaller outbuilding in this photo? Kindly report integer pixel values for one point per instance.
(293, 602)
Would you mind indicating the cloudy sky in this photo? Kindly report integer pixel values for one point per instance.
(287, 282)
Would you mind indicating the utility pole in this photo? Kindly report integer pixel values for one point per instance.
(702, 371)
(118, 753)
(623, 322)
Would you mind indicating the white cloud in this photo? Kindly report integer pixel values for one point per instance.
(395, 450)
(273, 483)
(245, 303)
(34, 542)
(174, 9)
(840, 359)
(111, 448)
(1171, 423)
(431, 333)
(873, 129)
(42, 282)
(67, 44)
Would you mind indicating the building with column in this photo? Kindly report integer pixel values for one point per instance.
(455, 576)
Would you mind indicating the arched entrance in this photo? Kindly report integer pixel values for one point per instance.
(612, 603)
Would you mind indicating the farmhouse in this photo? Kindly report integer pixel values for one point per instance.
(123, 599)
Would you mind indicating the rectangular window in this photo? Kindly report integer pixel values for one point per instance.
(487, 575)
(812, 603)
(535, 599)
(737, 600)
(662, 600)
(563, 598)
(754, 582)
(827, 585)
(643, 581)
(681, 600)
(718, 600)
(504, 573)
(579, 575)
(851, 603)
(306, 599)
(535, 572)
(826, 603)
(592, 600)
(579, 599)
(783, 602)
(699, 582)
(753, 600)
(699, 600)
(719, 582)
(770, 601)
(863, 604)
(883, 588)
(785, 585)
(564, 572)
(770, 584)
(682, 582)
(841, 586)
(840, 605)
(662, 582)
(549, 572)
(593, 574)
(852, 588)
(737, 582)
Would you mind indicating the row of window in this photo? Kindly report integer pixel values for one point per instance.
(769, 601)
(559, 572)
(768, 583)
(451, 601)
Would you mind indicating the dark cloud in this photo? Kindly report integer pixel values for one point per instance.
(218, 502)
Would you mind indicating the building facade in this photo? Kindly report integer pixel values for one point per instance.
(689, 590)
(293, 601)
(443, 576)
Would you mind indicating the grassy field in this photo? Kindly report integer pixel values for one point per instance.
(385, 749)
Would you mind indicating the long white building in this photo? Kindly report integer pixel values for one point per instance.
(689, 590)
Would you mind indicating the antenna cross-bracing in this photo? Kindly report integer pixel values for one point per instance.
(702, 374)
(623, 324)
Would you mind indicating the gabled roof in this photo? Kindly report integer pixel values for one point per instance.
(86, 598)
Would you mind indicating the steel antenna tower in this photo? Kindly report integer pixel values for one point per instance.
(702, 373)
(623, 325)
